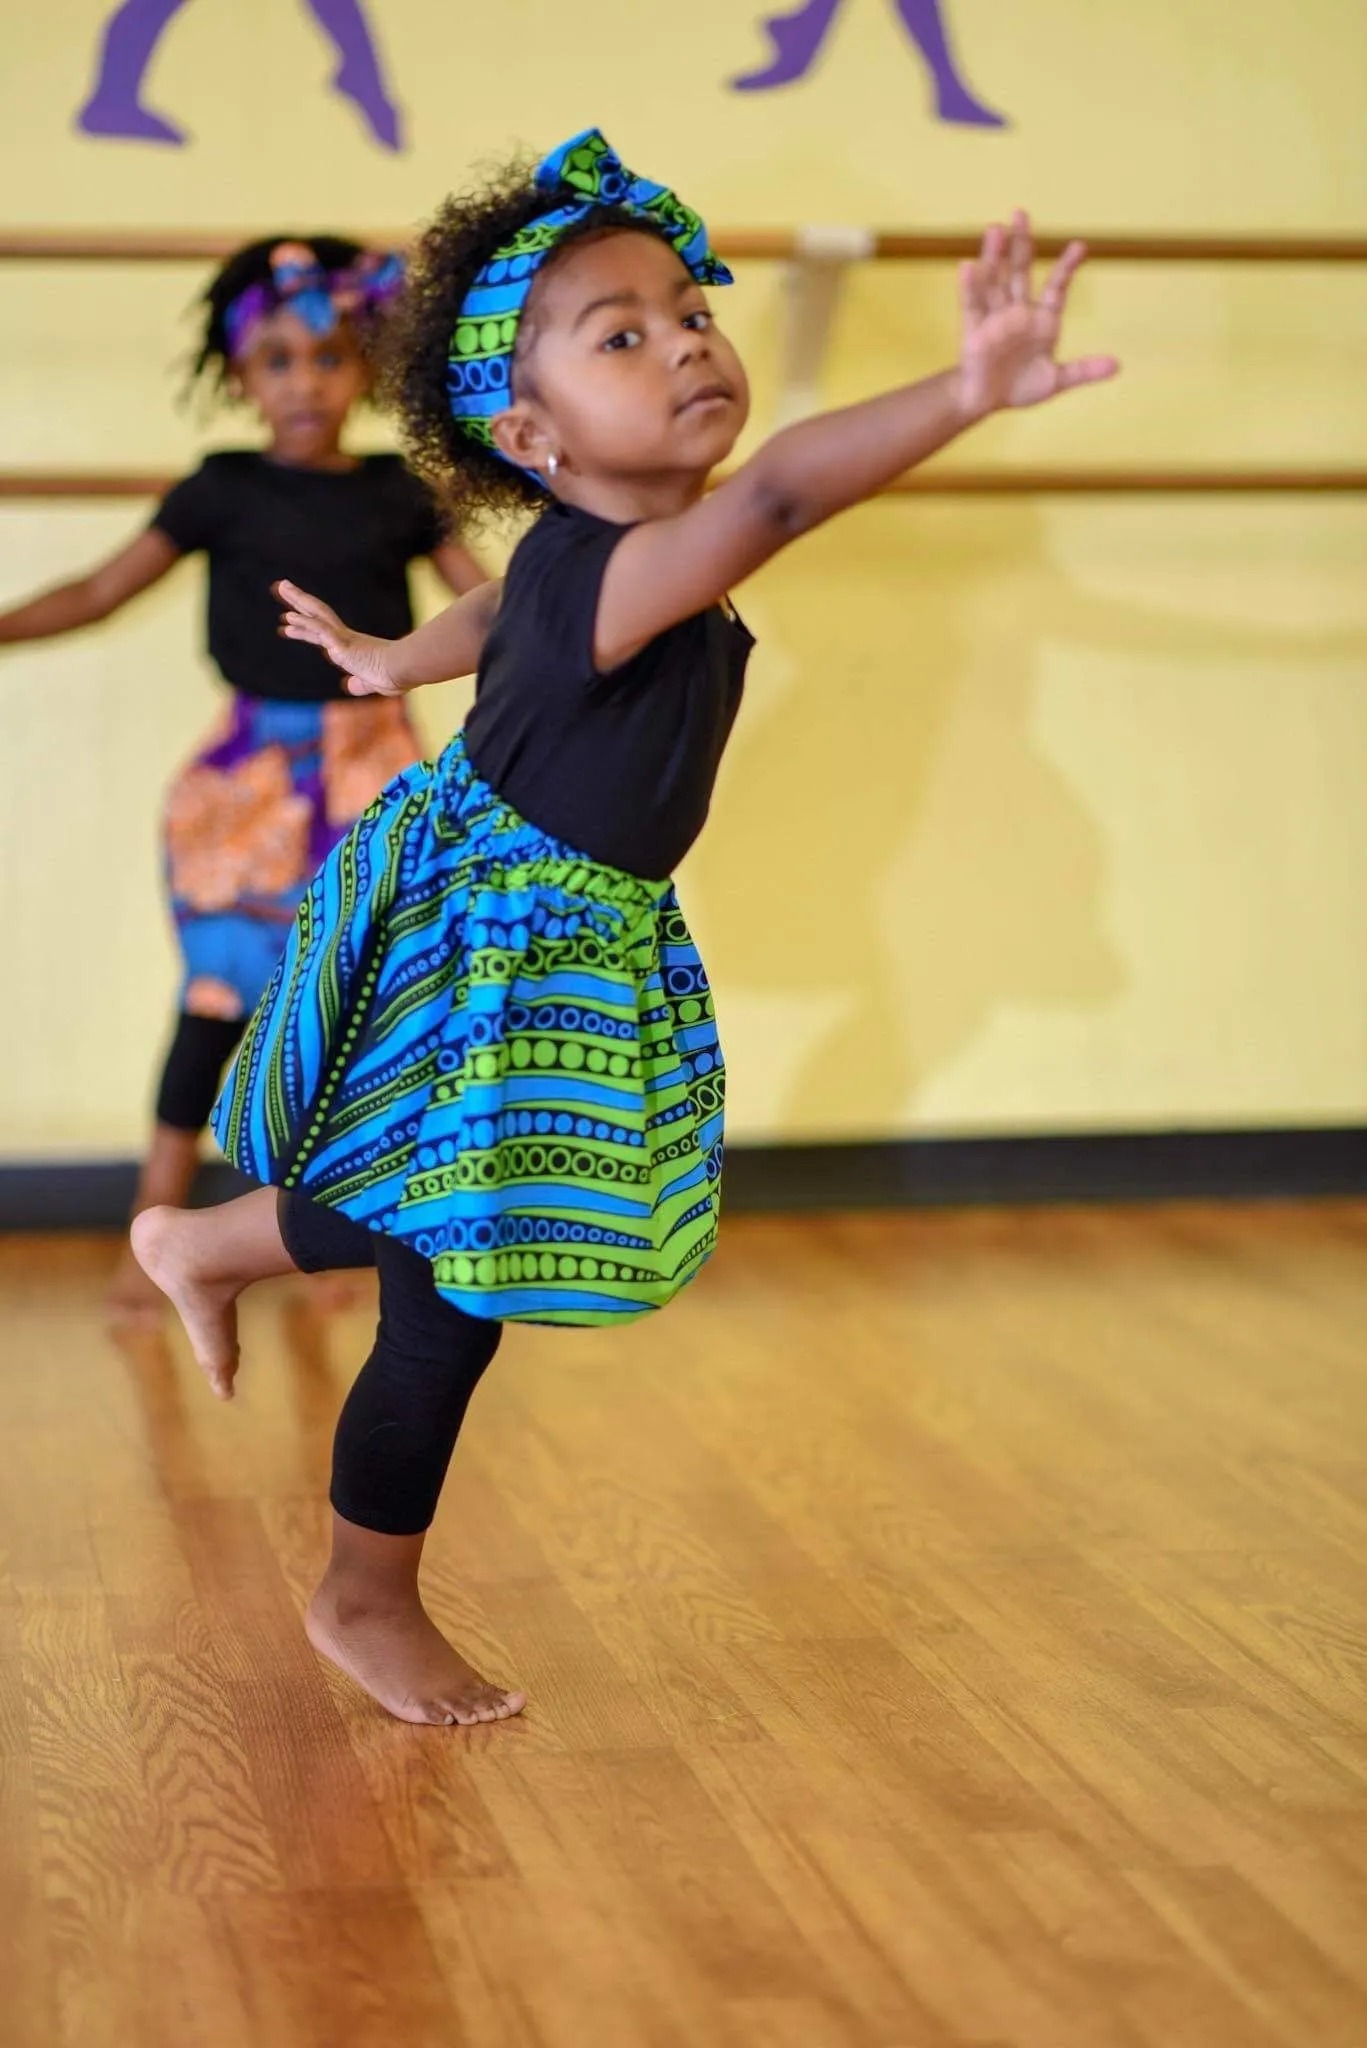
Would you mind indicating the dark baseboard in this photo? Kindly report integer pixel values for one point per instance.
(74, 1194)
(1098, 1166)
(1090, 1166)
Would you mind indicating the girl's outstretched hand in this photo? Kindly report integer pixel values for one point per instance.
(363, 657)
(1009, 337)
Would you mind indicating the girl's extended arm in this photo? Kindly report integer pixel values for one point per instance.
(89, 598)
(667, 569)
(449, 645)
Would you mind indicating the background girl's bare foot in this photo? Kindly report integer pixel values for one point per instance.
(334, 1293)
(394, 1651)
(176, 1248)
(132, 1297)
(166, 1175)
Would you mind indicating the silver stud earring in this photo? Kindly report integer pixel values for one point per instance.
(552, 463)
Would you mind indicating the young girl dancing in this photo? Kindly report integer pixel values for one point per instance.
(288, 326)
(487, 1061)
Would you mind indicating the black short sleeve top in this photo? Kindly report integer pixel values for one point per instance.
(620, 765)
(345, 535)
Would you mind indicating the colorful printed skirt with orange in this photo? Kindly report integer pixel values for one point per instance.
(252, 817)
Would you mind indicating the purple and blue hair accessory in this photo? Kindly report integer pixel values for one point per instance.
(320, 298)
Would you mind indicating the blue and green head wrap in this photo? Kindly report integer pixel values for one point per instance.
(577, 179)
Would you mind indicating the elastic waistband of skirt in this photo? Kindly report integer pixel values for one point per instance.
(532, 856)
(298, 720)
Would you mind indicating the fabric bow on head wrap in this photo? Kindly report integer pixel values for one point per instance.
(582, 176)
(320, 298)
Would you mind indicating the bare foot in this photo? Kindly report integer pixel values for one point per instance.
(133, 1297)
(176, 1248)
(396, 1653)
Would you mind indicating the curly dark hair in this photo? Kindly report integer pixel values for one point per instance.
(473, 482)
(244, 268)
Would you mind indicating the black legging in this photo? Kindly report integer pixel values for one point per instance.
(399, 1423)
(190, 1080)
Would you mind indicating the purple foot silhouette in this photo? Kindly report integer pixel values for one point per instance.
(382, 116)
(115, 105)
(104, 115)
(955, 103)
(797, 38)
(924, 22)
(358, 77)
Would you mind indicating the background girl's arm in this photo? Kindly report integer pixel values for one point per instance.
(449, 645)
(457, 567)
(668, 569)
(90, 598)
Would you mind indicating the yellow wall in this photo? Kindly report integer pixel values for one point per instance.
(1042, 814)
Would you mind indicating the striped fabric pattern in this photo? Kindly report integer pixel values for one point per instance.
(496, 1050)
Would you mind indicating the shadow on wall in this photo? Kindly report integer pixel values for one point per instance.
(899, 861)
(884, 948)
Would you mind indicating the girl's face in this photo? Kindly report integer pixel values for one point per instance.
(303, 384)
(624, 374)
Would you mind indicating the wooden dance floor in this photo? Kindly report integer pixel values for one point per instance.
(938, 1631)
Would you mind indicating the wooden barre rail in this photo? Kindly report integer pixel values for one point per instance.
(82, 245)
(933, 483)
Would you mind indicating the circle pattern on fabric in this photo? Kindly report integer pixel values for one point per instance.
(523, 1082)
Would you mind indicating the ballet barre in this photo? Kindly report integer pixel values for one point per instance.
(932, 482)
(89, 245)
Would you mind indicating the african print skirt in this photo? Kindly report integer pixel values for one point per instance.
(249, 820)
(498, 1051)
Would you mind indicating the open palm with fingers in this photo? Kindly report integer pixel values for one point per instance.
(1010, 338)
(361, 655)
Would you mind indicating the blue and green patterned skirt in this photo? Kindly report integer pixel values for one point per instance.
(482, 1043)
